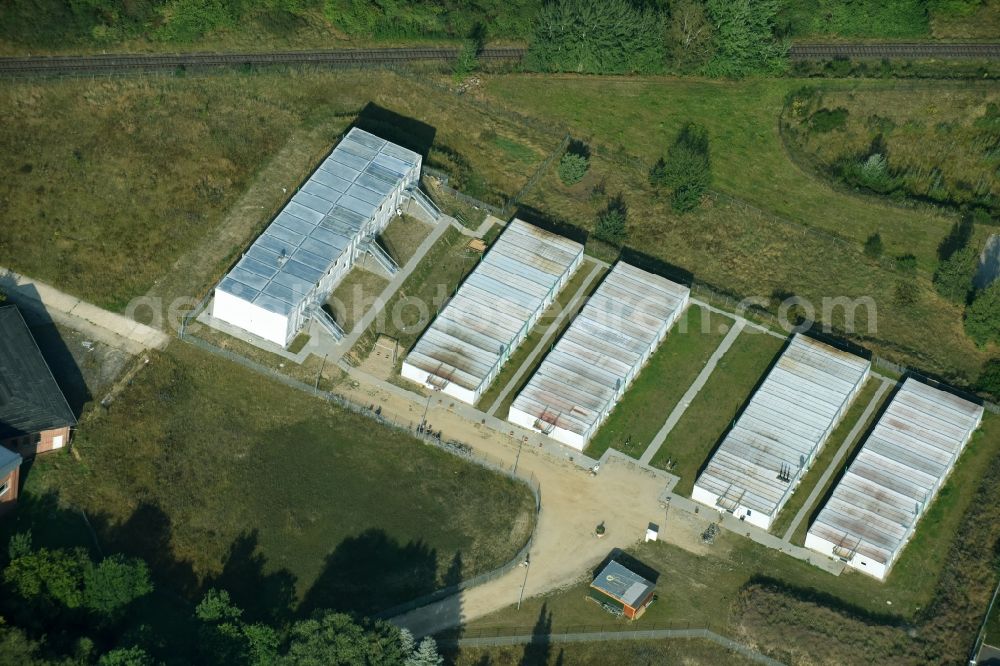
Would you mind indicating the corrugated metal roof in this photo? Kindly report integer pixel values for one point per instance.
(509, 286)
(603, 349)
(897, 472)
(784, 424)
(30, 399)
(622, 583)
(317, 225)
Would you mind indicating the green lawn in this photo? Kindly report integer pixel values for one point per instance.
(824, 459)
(218, 476)
(712, 411)
(742, 251)
(691, 652)
(519, 356)
(422, 294)
(109, 182)
(660, 385)
(403, 236)
(355, 294)
(993, 626)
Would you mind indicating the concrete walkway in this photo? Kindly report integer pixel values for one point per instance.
(692, 391)
(838, 458)
(112, 329)
(337, 351)
(568, 311)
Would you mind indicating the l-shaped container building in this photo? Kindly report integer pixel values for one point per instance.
(294, 266)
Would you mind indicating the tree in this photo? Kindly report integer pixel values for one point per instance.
(114, 583)
(689, 35)
(226, 639)
(688, 168)
(332, 639)
(873, 246)
(572, 167)
(597, 37)
(745, 42)
(989, 378)
(425, 655)
(958, 238)
(982, 318)
(48, 580)
(132, 656)
(611, 222)
(953, 278)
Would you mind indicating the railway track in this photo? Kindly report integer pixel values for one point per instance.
(100, 64)
(153, 62)
(900, 51)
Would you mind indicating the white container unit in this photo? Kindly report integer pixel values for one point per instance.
(599, 355)
(465, 346)
(784, 426)
(874, 510)
(316, 238)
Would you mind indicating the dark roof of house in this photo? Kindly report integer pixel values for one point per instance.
(622, 584)
(30, 399)
(9, 461)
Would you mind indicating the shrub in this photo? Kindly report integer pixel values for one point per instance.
(572, 168)
(597, 37)
(745, 41)
(906, 263)
(989, 378)
(688, 168)
(658, 173)
(953, 278)
(611, 222)
(871, 173)
(825, 120)
(873, 246)
(982, 318)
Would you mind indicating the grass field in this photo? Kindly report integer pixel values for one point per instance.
(700, 588)
(534, 337)
(219, 476)
(355, 294)
(422, 295)
(993, 626)
(824, 459)
(660, 385)
(941, 141)
(403, 236)
(712, 411)
(110, 181)
(690, 652)
(741, 250)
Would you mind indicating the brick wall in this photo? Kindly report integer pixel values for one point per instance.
(9, 497)
(47, 440)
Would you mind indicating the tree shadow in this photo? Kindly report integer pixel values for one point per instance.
(264, 597)
(371, 572)
(538, 649)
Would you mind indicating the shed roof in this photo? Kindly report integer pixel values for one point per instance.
(623, 584)
(603, 349)
(30, 399)
(783, 425)
(316, 227)
(508, 287)
(898, 470)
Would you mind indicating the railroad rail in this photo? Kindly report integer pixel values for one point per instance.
(896, 51)
(154, 62)
(98, 64)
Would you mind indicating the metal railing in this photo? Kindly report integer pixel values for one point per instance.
(381, 256)
(424, 201)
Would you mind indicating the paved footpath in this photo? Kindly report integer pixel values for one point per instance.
(344, 346)
(543, 344)
(834, 465)
(112, 329)
(692, 391)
